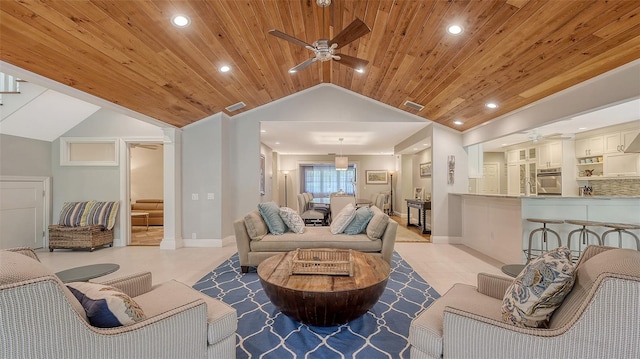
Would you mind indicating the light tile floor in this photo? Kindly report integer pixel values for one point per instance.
(441, 265)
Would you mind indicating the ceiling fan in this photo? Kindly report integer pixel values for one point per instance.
(324, 49)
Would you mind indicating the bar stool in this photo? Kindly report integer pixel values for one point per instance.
(583, 235)
(544, 231)
(621, 228)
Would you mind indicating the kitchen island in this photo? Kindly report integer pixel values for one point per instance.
(496, 225)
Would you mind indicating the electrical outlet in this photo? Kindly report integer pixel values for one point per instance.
(193, 235)
(194, 196)
(210, 196)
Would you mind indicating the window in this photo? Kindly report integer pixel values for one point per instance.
(322, 179)
(75, 151)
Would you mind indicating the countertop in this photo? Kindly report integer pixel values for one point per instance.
(542, 197)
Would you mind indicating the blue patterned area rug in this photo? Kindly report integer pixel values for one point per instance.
(264, 332)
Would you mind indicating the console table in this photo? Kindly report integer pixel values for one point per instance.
(422, 207)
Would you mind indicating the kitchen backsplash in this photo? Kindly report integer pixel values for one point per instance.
(616, 187)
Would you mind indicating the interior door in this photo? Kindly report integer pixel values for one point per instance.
(22, 214)
(490, 181)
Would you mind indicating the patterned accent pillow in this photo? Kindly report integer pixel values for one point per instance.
(256, 227)
(292, 219)
(100, 213)
(378, 224)
(106, 307)
(270, 212)
(343, 218)
(71, 213)
(539, 289)
(360, 222)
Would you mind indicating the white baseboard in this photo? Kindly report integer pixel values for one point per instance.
(446, 240)
(172, 243)
(229, 240)
(201, 243)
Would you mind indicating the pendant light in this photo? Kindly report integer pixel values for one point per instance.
(342, 162)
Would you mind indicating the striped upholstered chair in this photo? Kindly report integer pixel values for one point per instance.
(41, 318)
(599, 318)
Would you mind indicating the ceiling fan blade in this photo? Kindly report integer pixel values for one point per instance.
(303, 65)
(351, 61)
(351, 33)
(290, 38)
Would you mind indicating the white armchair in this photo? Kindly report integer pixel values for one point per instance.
(599, 318)
(41, 318)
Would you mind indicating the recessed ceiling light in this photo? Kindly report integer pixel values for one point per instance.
(277, 143)
(263, 131)
(455, 29)
(360, 71)
(180, 21)
(225, 68)
(582, 128)
(504, 144)
(458, 123)
(491, 105)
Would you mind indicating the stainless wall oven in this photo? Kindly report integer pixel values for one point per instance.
(549, 182)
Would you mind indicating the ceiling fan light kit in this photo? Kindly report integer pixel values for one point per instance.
(324, 49)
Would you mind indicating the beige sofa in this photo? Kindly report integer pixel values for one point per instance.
(252, 252)
(41, 318)
(155, 208)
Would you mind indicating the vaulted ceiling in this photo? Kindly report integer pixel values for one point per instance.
(511, 52)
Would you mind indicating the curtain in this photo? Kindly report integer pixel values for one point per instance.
(321, 180)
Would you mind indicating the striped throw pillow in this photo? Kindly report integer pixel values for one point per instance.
(101, 213)
(71, 214)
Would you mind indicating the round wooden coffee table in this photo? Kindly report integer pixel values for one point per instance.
(324, 300)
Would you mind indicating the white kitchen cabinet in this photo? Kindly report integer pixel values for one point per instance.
(591, 146)
(513, 179)
(550, 155)
(521, 179)
(622, 164)
(522, 154)
(618, 141)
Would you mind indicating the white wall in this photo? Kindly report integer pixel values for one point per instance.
(311, 106)
(21, 156)
(202, 175)
(101, 183)
(446, 211)
(147, 171)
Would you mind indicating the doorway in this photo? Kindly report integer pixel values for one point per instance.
(146, 192)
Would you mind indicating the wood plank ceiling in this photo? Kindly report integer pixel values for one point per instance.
(512, 52)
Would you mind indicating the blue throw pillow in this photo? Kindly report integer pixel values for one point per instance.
(106, 307)
(359, 223)
(270, 212)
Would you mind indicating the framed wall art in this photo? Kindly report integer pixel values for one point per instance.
(418, 193)
(377, 177)
(425, 169)
(262, 169)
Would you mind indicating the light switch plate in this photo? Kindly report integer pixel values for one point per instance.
(194, 196)
(210, 196)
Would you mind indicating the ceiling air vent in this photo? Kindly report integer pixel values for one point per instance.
(236, 106)
(413, 105)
